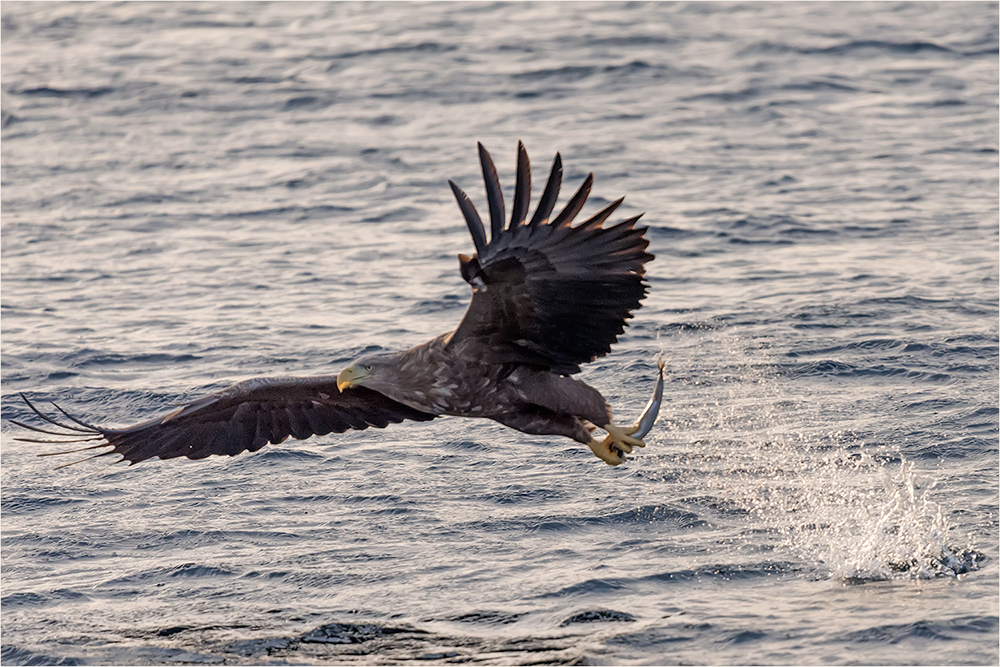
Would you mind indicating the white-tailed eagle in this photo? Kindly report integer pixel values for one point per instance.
(547, 296)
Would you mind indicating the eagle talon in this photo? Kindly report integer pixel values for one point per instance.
(622, 446)
(608, 452)
(623, 436)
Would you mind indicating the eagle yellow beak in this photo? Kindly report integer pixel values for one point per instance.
(350, 376)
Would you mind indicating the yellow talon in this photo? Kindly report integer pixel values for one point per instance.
(607, 452)
(623, 436)
(619, 442)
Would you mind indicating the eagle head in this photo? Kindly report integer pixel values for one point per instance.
(373, 371)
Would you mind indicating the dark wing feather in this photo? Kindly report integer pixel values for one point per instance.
(553, 295)
(471, 215)
(244, 417)
(548, 201)
(575, 204)
(522, 188)
(494, 195)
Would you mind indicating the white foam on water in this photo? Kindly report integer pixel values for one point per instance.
(851, 510)
(871, 519)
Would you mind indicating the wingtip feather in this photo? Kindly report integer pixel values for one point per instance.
(472, 219)
(522, 188)
(550, 194)
(575, 204)
(494, 193)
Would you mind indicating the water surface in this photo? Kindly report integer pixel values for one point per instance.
(197, 193)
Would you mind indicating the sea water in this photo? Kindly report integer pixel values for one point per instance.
(194, 194)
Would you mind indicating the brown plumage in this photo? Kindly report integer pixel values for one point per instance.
(547, 297)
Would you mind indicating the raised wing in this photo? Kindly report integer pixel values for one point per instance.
(244, 417)
(548, 293)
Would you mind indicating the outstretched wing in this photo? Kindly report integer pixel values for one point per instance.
(548, 293)
(245, 416)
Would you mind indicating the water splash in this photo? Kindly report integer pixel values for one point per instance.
(870, 519)
(855, 511)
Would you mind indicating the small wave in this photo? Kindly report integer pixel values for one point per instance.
(173, 630)
(321, 212)
(88, 357)
(400, 214)
(488, 617)
(275, 574)
(14, 655)
(744, 636)
(383, 120)
(447, 302)
(520, 495)
(283, 453)
(749, 241)
(567, 74)
(22, 600)
(725, 572)
(940, 630)
(419, 47)
(184, 570)
(156, 540)
(256, 79)
(203, 23)
(629, 40)
(819, 84)
(670, 232)
(876, 45)
(836, 368)
(341, 642)
(350, 633)
(598, 616)
(869, 344)
(726, 95)
(850, 47)
(648, 514)
(263, 646)
(722, 572)
(144, 198)
(31, 599)
(25, 504)
(195, 570)
(466, 445)
(309, 102)
(575, 73)
(588, 587)
(46, 91)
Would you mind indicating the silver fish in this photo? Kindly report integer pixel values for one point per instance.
(648, 418)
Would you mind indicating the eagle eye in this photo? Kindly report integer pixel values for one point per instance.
(368, 367)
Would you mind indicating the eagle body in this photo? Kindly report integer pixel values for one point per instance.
(548, 295)
(439, 378)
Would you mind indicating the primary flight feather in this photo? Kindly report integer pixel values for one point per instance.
(547, 296)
